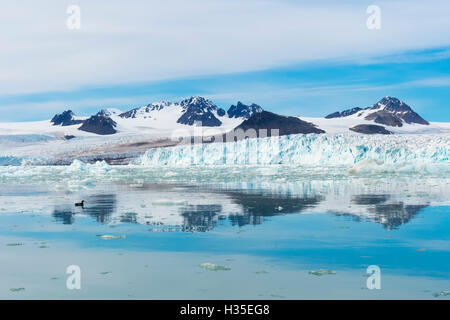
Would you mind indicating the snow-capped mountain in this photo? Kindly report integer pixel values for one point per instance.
(67, 118)
(185, 112)
(344, 113)
(191, 110)
(152, 110)
(67, 137)
(388, 111)
(199, 109)
(160, 118)
(241, 110)
(108, 112)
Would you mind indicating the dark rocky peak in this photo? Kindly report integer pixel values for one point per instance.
(199, 109)
(108, 112)
(272, 121)
(67, 118)
(389, 111)
(129, 114)
(99, 124)
(398, 109)
(241, 110)
(201, 105)
(392, 105)
(157, 106)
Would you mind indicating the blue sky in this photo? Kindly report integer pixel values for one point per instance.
(290, 57)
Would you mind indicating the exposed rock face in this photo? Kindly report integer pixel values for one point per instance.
(108, 112)
(385, 117)
(100, 125)
(388, 111)
(67, 118)
(243, 111)
(199, 109)
(399, 109)
(344, 113)
(192, 110)
(285, 125)
(370, 129)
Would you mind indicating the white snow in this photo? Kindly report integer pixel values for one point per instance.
(342, 125)
(41, 142)
(111, 111)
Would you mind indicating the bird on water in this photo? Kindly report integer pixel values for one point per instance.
(80, 204)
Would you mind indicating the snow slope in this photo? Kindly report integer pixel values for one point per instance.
(342, 125)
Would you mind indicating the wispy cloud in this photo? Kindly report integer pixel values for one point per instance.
(123, 42)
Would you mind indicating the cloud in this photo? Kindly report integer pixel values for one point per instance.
(140, 41)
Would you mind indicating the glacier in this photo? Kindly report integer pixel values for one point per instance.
(357, 153)
(309, 150)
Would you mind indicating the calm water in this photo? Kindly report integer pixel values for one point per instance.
(241, 233)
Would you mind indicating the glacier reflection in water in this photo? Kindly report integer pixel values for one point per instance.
(144, 232)
(200, 207)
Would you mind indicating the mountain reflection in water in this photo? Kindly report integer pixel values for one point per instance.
(101, 208)
(236, 206)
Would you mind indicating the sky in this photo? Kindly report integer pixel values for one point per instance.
(303, 58)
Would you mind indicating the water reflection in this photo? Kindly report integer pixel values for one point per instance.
(390, 214)
(201, 218)
(256, 206)
(394, 215)
(197, 209)
(100, 206)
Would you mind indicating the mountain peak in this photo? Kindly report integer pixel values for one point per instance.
(67, 118)
(202, 110)
(392, 104)
(241, 110)
(198, 102)
(344, 113)
(285, 125)
(109, 112)
(99, 124)
(388, 111)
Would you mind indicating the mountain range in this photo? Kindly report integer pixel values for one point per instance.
(388, 111)
(194, 111)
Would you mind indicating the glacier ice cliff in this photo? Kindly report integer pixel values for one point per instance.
(311, 149)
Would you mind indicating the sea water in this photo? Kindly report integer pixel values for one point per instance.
(225, 232)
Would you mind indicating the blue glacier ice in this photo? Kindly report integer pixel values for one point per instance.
(311, 149)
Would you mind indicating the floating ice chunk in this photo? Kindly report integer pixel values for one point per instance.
(444, 293)
(260, 272)
(109, 237)
(213, 267)
(14, 244)
(322, 272)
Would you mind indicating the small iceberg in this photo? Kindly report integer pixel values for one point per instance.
(444, 293)
(109, 237)
(213, 267)
(322, 272)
